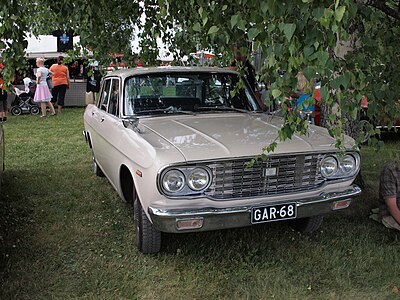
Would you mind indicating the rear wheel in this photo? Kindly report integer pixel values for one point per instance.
(309, 224)
(16, 110)
(147, 238)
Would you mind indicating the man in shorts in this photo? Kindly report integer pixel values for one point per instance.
(389, 196)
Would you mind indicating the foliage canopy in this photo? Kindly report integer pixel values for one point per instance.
(351, 45)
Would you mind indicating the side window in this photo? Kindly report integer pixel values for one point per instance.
(105, 94)
(113, 103)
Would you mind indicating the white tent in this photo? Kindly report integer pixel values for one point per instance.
(44, 46)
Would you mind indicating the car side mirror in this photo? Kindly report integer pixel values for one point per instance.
(132, 123)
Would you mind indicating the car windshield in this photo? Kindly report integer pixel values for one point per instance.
(186, 93)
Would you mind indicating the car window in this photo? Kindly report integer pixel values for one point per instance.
(174, 93)
(113, 102)
(104, 96)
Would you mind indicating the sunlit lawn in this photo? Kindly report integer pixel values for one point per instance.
(65, 234)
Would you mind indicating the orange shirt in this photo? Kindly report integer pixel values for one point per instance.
(60, 74)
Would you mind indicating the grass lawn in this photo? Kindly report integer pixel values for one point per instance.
(65, 234)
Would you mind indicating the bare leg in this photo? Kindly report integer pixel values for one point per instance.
(59, 108)
(43, 108)
(52, 111)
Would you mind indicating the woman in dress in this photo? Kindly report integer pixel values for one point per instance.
(42, 94)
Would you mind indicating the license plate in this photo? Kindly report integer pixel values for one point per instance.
(271, 213)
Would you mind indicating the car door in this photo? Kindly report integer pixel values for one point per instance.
(95, 118)
(108, 127)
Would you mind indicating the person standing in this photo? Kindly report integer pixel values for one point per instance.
(42, 94)
(3, 100)
(60, 78)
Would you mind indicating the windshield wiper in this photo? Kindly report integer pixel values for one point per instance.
(223, 108)
(167, 110)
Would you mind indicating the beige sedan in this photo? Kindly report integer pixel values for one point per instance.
(175, 143)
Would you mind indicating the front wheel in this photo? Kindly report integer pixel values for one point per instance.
(34, 110)
(309, 224)
(362, 129)
(147, 238)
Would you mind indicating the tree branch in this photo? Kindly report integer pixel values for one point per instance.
(382, 6)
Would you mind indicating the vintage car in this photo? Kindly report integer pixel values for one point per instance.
(175, 142)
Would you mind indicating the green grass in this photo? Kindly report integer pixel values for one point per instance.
(65, 234)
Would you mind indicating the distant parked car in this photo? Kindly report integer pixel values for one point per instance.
(176, 142)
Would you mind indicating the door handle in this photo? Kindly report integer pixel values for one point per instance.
(102, 120)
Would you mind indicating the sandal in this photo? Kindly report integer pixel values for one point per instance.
(43, 116)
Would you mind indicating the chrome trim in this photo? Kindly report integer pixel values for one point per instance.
(205, 164)
(185, 170)
(387, 127)
(164, 219)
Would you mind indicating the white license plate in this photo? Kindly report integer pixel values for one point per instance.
(271, 213)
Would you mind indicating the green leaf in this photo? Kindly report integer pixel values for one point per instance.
(213, 29)
(308, 51)
(354, 113)
(339, 12)
(322, 57)
(242, 24)
(342, 80)
(309, 73)
(288, 30)
(264, 7)
(318, 12)
(197, 27)
(276, 93)
(234, 20)
(205, 20)
(324, 93)
(253, 32)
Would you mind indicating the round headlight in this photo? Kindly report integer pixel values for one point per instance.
(329, 166)
(198, 179)
(173, 181)
(348, 164)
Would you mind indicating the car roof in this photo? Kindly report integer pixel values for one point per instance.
(124, 73)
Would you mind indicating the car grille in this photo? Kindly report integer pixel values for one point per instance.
(276, 176)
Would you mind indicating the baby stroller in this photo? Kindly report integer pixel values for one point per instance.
(23, 102)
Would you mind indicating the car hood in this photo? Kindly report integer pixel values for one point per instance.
(227, 135)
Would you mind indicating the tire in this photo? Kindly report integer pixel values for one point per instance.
(34, 110)
(309, 224)
(362, 129)
(147, 238)
(16, 110)
(96, 169)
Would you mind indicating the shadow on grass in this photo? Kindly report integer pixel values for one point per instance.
(16, 216)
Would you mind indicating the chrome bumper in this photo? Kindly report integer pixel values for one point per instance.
(165, 219)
